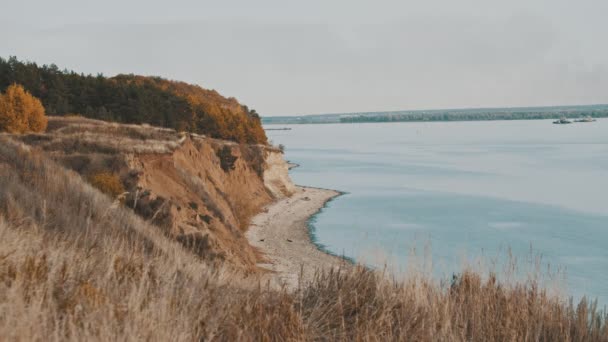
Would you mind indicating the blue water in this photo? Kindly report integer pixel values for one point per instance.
(462, 191)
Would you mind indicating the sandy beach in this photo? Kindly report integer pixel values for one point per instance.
(281, 234)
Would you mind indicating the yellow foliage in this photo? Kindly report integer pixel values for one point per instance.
(20, 112)
(219, 117)
(107, 183)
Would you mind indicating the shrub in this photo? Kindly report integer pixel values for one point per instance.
(108, 183)
(255, 157)
(200, 245)
(227, 160)
(20, 112)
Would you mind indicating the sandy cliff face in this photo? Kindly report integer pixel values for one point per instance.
(199, 190)
(276, 175)
(205, 203)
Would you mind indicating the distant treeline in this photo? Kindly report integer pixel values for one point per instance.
(476, 114)
(135, 99)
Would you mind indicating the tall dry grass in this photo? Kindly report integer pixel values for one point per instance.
(79, 135)
(74, 266)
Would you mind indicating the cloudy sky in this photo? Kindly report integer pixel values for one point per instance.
(325, 56)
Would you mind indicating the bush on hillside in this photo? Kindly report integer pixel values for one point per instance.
(20, 112)
(227, 160)
(108, 183)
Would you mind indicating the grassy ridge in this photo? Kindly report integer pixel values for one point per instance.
(76, 266)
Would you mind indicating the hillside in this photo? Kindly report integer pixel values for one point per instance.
(135, 99)
(200, 191)
(75, 265)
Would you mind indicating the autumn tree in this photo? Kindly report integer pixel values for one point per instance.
(20, 112)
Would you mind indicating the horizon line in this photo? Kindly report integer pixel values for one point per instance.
(435, 110)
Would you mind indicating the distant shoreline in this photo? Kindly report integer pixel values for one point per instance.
(476, 114)
(427, 121)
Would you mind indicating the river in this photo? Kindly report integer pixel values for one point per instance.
(460, 192)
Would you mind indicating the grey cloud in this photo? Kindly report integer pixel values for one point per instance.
(289, 57)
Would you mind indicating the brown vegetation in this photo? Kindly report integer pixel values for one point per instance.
(108, 183)
(20, 112)
(214, 115)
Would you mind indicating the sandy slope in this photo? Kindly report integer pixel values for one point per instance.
(281, 234)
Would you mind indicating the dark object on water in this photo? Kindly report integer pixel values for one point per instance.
(289, 240)
(262, 240)
(278, 129)
(562, 121)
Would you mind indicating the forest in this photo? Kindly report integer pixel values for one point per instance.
(135, 99)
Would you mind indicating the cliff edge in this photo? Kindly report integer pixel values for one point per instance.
(198, 190)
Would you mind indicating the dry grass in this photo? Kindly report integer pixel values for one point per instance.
(79, 135)
(76, 266)
(368, 306)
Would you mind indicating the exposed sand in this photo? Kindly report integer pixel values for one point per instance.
(281, 234)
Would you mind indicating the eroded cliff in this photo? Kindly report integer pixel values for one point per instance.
(198, 190)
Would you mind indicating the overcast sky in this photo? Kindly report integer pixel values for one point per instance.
(327, 56)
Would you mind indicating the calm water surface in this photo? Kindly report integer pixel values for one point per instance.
(467, 190)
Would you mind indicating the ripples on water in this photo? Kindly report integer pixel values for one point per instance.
(467, 189)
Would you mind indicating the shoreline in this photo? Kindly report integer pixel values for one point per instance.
(283, 235)
(311, 229)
